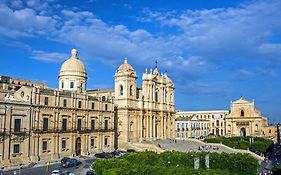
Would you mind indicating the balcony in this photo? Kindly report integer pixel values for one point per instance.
(3, 134)
(3, 131)
(51, 130)
(21, 131)
(71, 130)
(90, 130)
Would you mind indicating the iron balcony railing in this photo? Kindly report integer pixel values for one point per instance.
(72, 130)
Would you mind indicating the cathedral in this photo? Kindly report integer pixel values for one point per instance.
(145, 113)
(42, 123)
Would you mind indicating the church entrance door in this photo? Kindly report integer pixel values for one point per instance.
(78, 146)
(243, 132)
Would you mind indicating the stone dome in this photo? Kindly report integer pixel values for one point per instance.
(73, 66)
(125, 67)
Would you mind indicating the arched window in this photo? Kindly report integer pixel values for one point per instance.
(121, 90)
(218, 123)
(229, 128)
(242, 113)
(103, 98)
(156, 96)
(131, 90)
(256, 127)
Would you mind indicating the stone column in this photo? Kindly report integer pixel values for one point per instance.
(147, 127)
(141, 127)
(151, 127)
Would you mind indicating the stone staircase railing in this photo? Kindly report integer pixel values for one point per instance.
(260, 158)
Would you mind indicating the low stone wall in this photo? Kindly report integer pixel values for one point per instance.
(145, 147)
(260, 158)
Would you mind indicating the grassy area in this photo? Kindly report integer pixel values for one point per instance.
(259, 145)
(171, 163)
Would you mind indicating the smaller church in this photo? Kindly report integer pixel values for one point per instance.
(244, 119)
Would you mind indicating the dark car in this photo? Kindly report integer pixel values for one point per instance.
(70, 163)
(64, 160)
(119, 153)
(90, 173)
(131, 150)
(101, 155)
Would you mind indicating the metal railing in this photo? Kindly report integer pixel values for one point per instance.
(72, 130)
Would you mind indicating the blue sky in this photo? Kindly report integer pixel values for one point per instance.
(214, 51)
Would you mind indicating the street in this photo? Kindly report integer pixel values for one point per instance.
(43, 170)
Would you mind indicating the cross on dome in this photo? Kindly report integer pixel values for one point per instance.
(74, 53)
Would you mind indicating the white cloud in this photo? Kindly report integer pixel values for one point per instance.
(244, 74)
(202, 38)
(24, 22)
(49, 56)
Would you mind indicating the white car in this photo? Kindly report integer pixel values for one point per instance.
(56, 172)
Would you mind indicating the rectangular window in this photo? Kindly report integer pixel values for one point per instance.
(92, 143)
(79, 124)
(105, 141)
(79, 104)
(62, 84)
(64, 102)
(17, 125)
(106, 124)
(63, 144)
(93, 105)
(71, 85)
(16, 148)
(92, 124)
(45, 124)
(64, 124)
(105, 108)
(45, 145)
(46, 101)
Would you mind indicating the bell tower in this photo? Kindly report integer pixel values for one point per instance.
(125, 100)
(125, 85)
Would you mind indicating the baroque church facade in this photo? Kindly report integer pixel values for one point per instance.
(145, 113)
(42, 123)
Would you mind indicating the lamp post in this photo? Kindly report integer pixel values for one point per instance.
(20, 168)
(2, 170)
(278, 134)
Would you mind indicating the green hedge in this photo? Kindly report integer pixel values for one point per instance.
(260, 145)
(276, 169)
(176, 163)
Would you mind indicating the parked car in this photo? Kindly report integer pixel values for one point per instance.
(131, 150)
(56, 172)
(70, 163)
(102, 155)
(67, 173)
(64, 160)
(90, 173)
(119, 153)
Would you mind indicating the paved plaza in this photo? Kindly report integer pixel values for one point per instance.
(192, 145)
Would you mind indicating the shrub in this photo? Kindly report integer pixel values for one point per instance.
(276, 169)
(260, 145)
(179, 163)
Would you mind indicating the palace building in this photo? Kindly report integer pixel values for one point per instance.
(42, 123)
